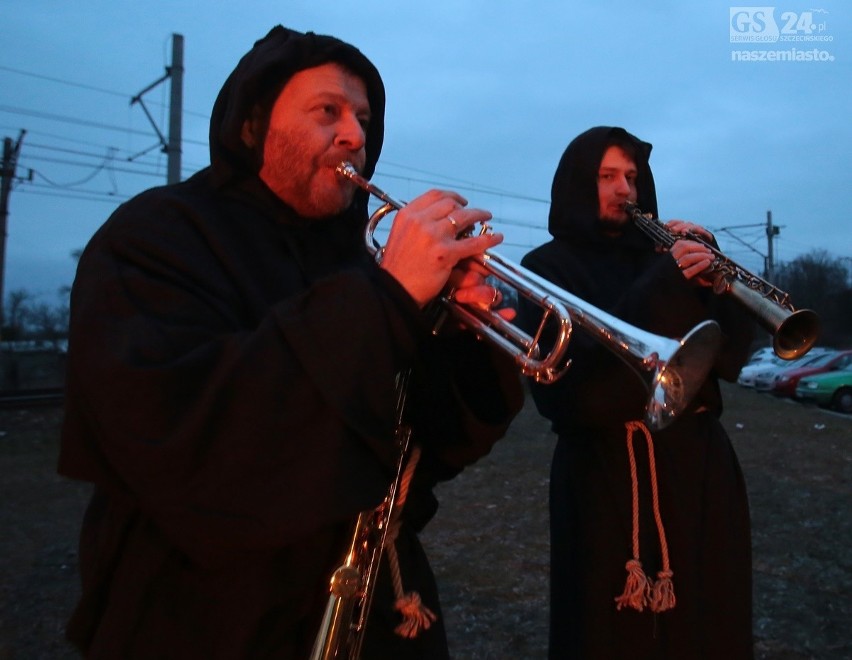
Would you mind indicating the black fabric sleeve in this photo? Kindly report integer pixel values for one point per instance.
(214, 423)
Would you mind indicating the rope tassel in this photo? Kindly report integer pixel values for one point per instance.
(663, 596)
(415, 615)
(639, 590)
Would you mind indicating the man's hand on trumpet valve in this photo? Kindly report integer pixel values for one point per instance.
(469, 286)
(422, 249)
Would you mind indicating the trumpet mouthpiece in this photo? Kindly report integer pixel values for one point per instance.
(347, 169)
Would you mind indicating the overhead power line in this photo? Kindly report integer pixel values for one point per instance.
(87, 165)
(461, 184)
(60, 81)
(111, 92)
(740, 242)
(27, 112)
(70, 120)
(39, 190)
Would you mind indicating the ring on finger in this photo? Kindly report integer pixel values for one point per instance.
(453, 223)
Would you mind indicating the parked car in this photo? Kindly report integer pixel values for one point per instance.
(761, 354)
(761, 362)
(750, 370)
(786, 381)
(831, 389)
(764, 378)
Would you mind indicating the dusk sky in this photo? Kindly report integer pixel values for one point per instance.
(748, 109)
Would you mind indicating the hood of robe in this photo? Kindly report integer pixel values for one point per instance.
(254, 85)
(574, 204)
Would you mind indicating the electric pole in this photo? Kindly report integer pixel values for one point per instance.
(771, 233)
(175, 109)
(171, 146)
(7, 176)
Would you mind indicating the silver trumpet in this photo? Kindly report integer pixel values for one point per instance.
(793, 331)
(524, 348)
(672, 370)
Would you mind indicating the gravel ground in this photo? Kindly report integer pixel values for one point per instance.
(488, 543)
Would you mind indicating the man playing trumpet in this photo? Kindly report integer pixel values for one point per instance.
(231, 378)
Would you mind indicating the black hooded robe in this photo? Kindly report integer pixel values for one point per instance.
(703, 502)
(230, 394)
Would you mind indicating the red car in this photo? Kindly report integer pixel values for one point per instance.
(786, 381)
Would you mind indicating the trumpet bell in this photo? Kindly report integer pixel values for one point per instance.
(672, 370)
(675, 380)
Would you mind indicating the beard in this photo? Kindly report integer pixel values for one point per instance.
(302, 179)
(613, 223)
(611, 226)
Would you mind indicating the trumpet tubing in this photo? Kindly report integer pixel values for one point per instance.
(793, 331)
(522, 347)
(671, 370)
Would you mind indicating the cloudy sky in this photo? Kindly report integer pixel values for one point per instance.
(483, 96)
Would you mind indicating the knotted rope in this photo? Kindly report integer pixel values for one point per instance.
(639, 590)
(415, 615)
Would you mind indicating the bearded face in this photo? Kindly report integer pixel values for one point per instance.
(319, 119)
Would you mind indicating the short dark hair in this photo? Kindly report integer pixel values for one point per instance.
(623, 142)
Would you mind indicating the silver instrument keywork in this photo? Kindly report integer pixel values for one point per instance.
(353, 582)
(793, 331)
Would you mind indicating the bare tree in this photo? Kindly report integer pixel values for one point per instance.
(17, 310)
(48, 323)
(820, 282)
